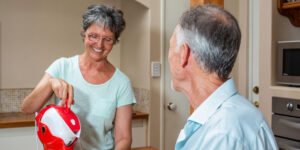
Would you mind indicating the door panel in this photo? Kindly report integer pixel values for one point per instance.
(174, 120)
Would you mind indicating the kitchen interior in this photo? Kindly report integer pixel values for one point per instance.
(48, 30)
(34, 33)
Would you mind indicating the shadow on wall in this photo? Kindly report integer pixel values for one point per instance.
(0, 56)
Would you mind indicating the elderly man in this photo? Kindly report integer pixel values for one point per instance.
(203, 49)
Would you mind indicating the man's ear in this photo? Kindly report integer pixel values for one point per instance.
(185, 54)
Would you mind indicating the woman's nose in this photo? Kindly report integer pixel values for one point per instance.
(100, 43)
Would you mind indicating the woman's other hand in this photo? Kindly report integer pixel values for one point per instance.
(62, 90)
(123, 135)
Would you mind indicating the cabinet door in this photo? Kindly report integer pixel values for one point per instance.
(139, 133)
(200, 2)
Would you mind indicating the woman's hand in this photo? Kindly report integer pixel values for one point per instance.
(62, 90)
(42, 92)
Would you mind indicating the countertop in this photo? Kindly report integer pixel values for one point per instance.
(144, 148)
(18, 119)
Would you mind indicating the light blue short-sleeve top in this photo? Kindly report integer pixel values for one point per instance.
(95, 105)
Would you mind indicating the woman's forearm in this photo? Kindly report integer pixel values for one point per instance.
(123, 144)
(123, 136)
(38, 97)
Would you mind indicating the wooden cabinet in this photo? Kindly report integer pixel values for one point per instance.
(290, 9)
(200, 2)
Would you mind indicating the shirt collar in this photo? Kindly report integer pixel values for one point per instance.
(213, 102)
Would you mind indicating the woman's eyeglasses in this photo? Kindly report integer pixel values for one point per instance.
(96, 38)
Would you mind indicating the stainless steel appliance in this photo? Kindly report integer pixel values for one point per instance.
(288, 63)
(286, 123)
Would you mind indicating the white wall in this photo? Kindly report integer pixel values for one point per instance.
(19, 139)
(232, 6)
(135, 47)
(36, 32)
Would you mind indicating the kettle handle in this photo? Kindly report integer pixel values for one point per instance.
(67, 107)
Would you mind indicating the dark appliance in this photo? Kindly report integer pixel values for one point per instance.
(288, 63)
(286, 123)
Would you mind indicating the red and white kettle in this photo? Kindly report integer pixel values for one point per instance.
(58, 127)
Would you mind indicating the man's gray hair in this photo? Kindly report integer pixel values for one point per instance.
(107, 16)
(213, 36)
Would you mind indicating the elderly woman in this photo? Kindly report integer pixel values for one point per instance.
(102, 95)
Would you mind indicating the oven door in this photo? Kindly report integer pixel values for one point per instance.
(287, 144)
(285, 126)
(287, 131)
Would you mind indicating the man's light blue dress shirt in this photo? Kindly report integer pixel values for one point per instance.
(226, 121)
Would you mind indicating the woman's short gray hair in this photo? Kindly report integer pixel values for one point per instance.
(213, 36)
(107, 16)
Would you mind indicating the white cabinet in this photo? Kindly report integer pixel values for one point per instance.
(139, 133)
(18, 138)
(25, 138)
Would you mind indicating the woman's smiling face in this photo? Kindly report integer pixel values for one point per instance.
(98, 42)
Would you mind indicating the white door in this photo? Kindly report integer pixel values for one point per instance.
(253, 51)
(174, 120)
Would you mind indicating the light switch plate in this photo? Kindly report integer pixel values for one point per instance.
(155, 69)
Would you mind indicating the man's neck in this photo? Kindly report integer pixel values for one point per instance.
(200, 88)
